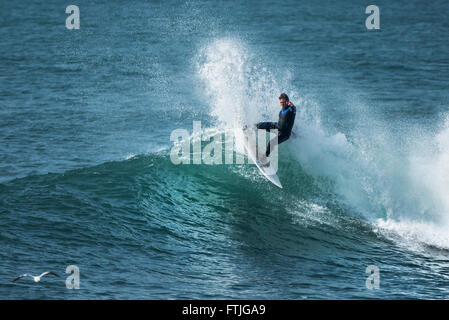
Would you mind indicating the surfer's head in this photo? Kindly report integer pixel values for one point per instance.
(283, 99)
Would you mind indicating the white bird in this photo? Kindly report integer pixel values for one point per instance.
(35, 278)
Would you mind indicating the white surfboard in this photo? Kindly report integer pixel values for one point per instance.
(251, 148)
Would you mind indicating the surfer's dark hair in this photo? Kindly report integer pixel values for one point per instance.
(283, 96)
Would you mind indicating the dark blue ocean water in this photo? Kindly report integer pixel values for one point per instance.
(86, 177)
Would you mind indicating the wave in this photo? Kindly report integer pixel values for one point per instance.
(394, 181)
(344, 179)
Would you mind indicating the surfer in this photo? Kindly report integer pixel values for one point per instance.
(284, 124)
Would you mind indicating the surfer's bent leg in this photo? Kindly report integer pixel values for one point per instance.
(267, 125)
(275, 141)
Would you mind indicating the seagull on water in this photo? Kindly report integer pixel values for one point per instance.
(35, 278)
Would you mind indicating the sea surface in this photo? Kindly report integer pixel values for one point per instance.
(86, 177)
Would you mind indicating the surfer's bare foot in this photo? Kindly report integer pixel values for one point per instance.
(264, 161)
(266, 164)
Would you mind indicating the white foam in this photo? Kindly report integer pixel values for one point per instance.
(398, 182)
(241, 90)
(308, 213)
(414, 234)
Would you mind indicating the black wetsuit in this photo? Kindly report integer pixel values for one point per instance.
(284, 126)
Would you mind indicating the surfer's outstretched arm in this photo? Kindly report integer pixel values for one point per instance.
(267, 125)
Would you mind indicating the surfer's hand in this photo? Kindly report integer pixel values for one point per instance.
(290, 104)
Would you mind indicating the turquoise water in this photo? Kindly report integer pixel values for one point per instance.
(86, 177)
